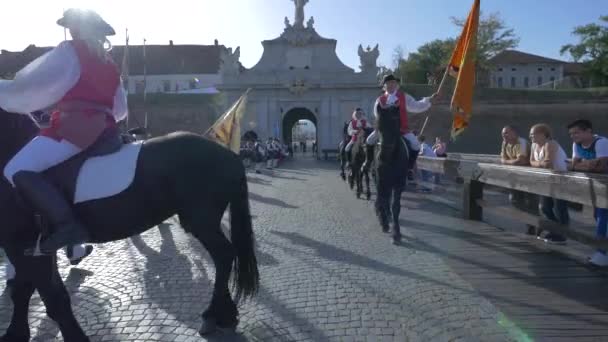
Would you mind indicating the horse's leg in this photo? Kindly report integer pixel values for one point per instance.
(21, 293)
(204, 222)
(357, 176)
(382, 200)
(369, 191)
(396, 210)
(56, 298)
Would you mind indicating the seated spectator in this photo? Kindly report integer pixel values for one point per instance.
(590, 154)
(426, 151)
(547, 153)
(440, 148)
(515, 150)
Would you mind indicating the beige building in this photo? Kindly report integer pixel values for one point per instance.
(515, 69)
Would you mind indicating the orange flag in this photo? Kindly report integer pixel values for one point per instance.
(462, 67)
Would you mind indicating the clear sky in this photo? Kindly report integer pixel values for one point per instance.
(543, 25)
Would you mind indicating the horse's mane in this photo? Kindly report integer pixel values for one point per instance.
(15, 131)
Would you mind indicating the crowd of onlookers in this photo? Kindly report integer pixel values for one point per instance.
(589, 154)
(255, 153)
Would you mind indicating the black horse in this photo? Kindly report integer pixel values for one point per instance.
(391, 165)
(357, 171)
(180, 173)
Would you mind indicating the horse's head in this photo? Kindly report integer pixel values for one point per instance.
(16, 130)
(388, 125)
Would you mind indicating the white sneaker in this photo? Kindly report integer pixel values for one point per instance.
(599, 259)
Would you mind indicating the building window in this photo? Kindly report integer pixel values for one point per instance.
(166, 86)
(514, 69)
(499, 69)
(552, 69)
(540, 69)
(526, 82)
(192, 84)
(512, 82)
(500, 82)
(552, 79)
(540, 80)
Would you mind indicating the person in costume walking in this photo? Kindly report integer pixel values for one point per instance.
(80, 84)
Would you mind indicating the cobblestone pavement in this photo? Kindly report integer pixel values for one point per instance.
(328, 274)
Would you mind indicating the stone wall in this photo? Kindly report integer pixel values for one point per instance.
(196, 113)
(483, 135)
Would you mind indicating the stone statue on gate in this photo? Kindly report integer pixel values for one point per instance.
(230, 61)
(369, 58)
(299, 18)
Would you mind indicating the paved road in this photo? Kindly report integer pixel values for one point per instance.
(328, 274)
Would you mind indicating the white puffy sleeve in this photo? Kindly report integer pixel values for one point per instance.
(351, 129)
(376, 108)
(416, 107)
(120, 109)
(43, 82)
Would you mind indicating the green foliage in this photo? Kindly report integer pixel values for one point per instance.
(430, 59)
(592, 50)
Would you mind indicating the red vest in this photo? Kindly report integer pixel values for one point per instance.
(354, 123)
(98, 80)
(402, 110)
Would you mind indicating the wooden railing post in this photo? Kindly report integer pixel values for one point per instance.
(473, 191)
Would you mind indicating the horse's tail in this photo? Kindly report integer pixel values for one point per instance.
(246, 274)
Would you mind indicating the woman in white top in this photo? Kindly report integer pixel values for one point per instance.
(548, 154)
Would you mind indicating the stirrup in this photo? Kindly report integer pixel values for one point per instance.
(35, 251)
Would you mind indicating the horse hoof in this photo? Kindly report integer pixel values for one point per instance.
(88, 249)
(358, 195)
(208, 326)
(369, 196)
(396, 241)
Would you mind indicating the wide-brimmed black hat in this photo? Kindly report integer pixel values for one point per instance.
(77, 18)
(390, 77)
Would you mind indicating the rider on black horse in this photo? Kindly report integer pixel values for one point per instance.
(81, 85)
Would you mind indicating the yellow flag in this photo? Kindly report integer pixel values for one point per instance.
(462, 67)
(226, 131)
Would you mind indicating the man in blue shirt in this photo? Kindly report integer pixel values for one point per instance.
(590, 154)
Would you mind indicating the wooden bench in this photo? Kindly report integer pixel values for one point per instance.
(328, 151)
(585, 189)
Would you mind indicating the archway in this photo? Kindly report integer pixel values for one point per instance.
(293, 117)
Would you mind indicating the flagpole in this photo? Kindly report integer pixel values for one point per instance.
(125, 65)
(145, 89)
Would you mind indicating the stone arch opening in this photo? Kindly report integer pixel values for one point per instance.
(292, 117)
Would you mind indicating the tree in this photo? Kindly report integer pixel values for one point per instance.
(493, 37)
(592, 50)
(428, 60)
(383, 71)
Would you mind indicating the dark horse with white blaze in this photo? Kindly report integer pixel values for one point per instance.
(180, 173)
(391, 163)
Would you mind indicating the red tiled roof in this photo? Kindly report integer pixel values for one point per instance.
(160, 59)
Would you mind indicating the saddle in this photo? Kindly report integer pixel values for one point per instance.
(65, 175)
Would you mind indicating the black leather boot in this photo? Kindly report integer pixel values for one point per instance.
(51, 204)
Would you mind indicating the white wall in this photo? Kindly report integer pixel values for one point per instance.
(521, 71)
(156, 83)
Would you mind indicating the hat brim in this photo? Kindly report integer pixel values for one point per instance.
(396, 79)
(102, 27)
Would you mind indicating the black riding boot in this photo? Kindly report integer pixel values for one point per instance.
(51, 204)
